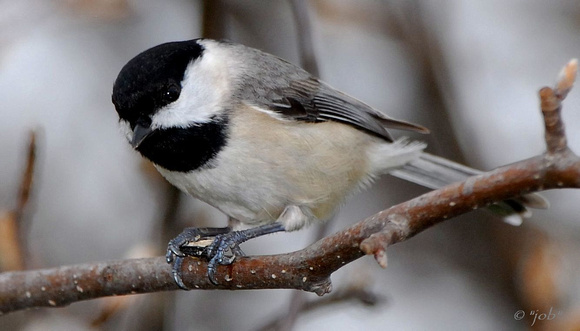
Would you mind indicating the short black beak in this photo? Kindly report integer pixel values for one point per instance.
(139, 134)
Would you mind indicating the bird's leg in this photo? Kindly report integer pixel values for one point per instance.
(292, 218)
(234, 224)
(179, 247)
(229, 241)
(213, 244)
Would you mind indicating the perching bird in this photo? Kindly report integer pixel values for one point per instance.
(263, 141)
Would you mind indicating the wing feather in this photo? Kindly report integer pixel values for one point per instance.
(294, 94)
(314, 101)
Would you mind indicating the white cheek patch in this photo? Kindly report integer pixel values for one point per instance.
(205, 89)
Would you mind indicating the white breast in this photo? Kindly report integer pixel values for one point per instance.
(269, 164)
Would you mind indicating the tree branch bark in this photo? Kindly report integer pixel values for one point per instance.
(310, 269)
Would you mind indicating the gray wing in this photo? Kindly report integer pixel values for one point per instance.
(313, 101)
(279, 86)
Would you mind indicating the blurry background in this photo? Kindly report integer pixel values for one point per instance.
(469, 71)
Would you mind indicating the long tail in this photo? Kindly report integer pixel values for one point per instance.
(435, 172)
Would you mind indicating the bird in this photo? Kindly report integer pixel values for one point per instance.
(265, 142)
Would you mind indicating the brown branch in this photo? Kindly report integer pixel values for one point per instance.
(310, 269)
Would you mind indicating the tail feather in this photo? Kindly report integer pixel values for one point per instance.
(435, 172)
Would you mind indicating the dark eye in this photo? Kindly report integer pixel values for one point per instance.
(171, 93)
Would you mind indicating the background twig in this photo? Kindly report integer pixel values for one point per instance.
(15, 225)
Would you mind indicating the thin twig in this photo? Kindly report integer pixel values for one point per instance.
(308, 269)
(407, 22)
(308, 61)
(304, 32)
(551, 104)
(27, 177)
(213, 19)
(19, 248)
(298, 300)
(351, 294)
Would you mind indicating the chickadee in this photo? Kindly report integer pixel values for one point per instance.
(263, 141)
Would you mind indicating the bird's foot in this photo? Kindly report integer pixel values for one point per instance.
(219, 246)
(190, 242)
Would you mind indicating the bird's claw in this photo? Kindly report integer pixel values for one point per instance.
(210, 244)
(176, 271)
(196, 242)
(175, 254)
(216, 253)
